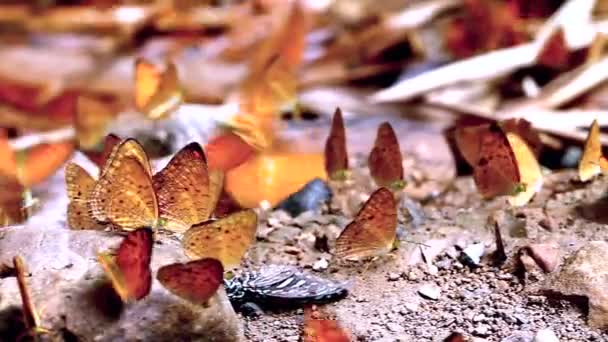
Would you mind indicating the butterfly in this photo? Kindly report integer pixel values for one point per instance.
(226, 239)
(195, 281)
(593, 161)
(79, 186)
(175, 198)
(157, 94)
(282, 285)
(385, 160)
(129, 271)
(318, 327)
(92, 119)
(336, 157)
(31, 317)
(101, 153)
(503, 163)
(373, 231)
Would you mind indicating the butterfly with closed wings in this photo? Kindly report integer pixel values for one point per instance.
(385, 160)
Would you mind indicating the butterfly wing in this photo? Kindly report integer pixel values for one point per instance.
(336, 157)
(147, 81)
(373, 231)
(79, 186)
(226, 239)
(320, 328)
(167, 97)
(216, 187)
(385, 161)
(129, 272)
(496, 172)
(529, 169)
(589, 166)
(100, 155)
(183, 189)
(126, 148)
(124, 195)
(195, 281)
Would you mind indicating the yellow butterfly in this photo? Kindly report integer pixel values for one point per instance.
(593, 161)
(157, 94)
(79, 187)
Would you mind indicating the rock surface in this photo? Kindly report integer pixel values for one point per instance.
(70, 290)
(586, 274)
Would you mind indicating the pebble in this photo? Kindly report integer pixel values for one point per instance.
(545, 335)
(430, 291)
(393, 276)
(481, 330)
(320, 265)
(394, 327)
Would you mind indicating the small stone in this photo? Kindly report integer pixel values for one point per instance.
(320, 265)
(394, 327)
(479, 318)
(521, 318)
(520, 336)
(546, 255)
(393, 276)
(430, 291)
(412, 276)
(411, 306)
(545, 335)
(472, 254)
(481, 330)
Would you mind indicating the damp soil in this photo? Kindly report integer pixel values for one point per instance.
(485, 302)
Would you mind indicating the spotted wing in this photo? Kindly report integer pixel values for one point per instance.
(182, 188)
(373, 231)
(195, 281)
(496, 172)
(79, 186)
(226, 239)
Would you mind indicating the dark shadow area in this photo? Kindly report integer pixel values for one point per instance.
(556, 299)
(11, 324)
(105, 299)
(596, 212)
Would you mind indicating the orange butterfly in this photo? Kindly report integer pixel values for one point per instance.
(226, 239)
(195, 281)
(385, 161)
(593, 161)
(178, 196)
(320, 328)
(129, 272)
(336, 157)
(31, 318)
(79, 186)
(373, 231)
(157, 94)
(100, 154)
(503, 163)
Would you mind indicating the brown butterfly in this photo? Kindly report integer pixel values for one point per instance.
(184, 190)
(385, 161)
(31, 318)
(195, 281)
(336, 157)
(318, 327)
(226, 239)
(157, 94)
(11, 201)
(79, 186)
(124, 194)
(129, 271)
(373, 230)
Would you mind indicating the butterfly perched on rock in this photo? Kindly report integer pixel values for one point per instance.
(195, 281)
(175, 198)
(129, 271)
(336, 156)
(373, 231)
(320, 327)
(593, 161)
(385, 160)
(280, 286)
(157, 94)
(503, 163)
(226, 239)
(80, 184)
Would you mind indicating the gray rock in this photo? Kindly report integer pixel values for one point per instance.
(430, 291)
(585, 273)
(546, 255)
(520, 336)
(473, 253)
(67, 282)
